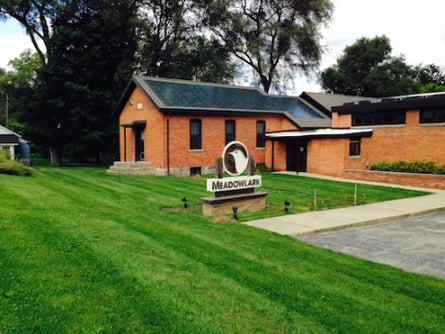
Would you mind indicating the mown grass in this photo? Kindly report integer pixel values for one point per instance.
(84, 252)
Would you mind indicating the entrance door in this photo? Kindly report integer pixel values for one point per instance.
(139, 144)
(296, 157)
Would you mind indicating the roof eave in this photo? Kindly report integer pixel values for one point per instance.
(410, 103)
(302, 136)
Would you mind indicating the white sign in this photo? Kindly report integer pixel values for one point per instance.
(234, 183)
(235, 158)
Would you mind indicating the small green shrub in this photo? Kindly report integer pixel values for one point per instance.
(419, 167)
(440, 170)
(13, 167)
(262, 168)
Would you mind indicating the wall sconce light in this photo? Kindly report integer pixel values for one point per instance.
(184, 200)
(235, 212)
(286, 206)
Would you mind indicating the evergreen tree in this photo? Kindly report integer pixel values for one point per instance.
(89, 58)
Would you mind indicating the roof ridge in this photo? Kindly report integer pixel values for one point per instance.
(202, 83)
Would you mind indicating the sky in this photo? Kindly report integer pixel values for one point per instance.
(414, 28)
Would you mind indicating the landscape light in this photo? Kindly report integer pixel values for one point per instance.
(286, 206)
(235, 212)
(184, 200)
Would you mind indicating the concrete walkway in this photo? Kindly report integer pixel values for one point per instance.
(336, 219)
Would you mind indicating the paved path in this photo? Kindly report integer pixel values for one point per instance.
(336, 219)
(414, 244)
(411, 234)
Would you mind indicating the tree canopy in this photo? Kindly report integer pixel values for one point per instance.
(90, 49)
(17, 86)
(367, 68)
(173, 44)
(273, 38)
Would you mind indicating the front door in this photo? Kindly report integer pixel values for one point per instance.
(139, 144)
(296, 157)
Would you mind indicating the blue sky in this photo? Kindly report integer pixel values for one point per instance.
(10, 27)
(415, 29)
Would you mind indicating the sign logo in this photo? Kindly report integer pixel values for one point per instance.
(235, 158)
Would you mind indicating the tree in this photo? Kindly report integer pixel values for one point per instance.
(172, 43)
(273, 38)
(35, 16)
(367, 68)
(431, 78)
(90, 52)
(17, 85)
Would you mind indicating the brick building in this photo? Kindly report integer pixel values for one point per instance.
(410, 128)
(177, 127)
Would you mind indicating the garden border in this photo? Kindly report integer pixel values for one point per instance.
(406, 179)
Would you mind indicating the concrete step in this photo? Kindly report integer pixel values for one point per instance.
(131, 168)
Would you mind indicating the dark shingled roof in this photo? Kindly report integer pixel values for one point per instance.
(190, 97)
(8, 137)
(196, 95)
(404, 102)
(326, 101)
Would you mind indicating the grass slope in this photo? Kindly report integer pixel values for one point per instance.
(84, 252)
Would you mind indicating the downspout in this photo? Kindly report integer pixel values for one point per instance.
(125, 143)
(168, 147)
(273, 155)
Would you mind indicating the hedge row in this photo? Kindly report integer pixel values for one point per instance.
(13, 167)
(420, 167)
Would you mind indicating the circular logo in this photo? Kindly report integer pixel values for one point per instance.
(235, 158)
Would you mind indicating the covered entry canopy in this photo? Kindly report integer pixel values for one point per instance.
(138, 126)
(319, 133)
(293, 144)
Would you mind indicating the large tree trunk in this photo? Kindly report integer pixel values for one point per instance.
(56, 156)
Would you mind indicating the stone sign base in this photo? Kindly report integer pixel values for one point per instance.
(223, 205)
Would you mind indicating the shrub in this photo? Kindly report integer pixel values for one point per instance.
(419, 167)
(13, 167)
(440, 170)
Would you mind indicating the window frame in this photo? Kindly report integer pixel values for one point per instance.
(355, 146)
(195, 142)
(379, 118)
(436, 115)
(229, 136)
(260, 135)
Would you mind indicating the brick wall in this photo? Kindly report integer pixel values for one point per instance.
(181, 158)
(408, 179)
(139, 107)
(411, 141)
(327, 156)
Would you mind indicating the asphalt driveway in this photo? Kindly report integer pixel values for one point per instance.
(415, 244)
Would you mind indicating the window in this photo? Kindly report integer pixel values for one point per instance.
(230, 131)
(432, 116)
(195, 134)
(354, 147)
(260, 132)
(379, 118)
(195, 171)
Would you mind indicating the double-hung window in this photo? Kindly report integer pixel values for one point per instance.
(230, 131)
(260, 134)
(195, 134)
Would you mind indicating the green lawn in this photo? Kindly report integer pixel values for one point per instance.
(85, 252)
